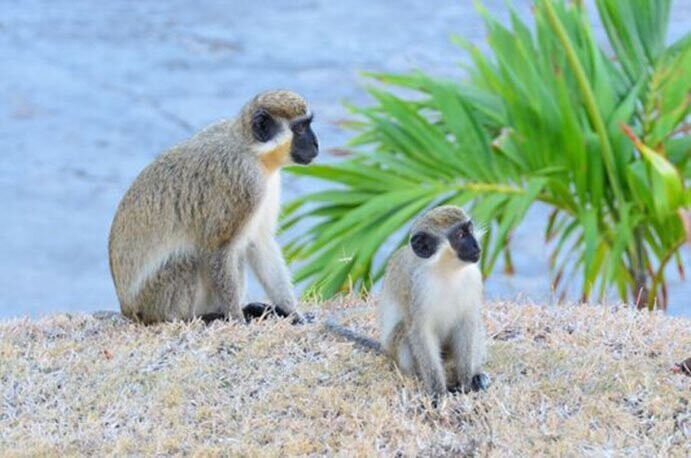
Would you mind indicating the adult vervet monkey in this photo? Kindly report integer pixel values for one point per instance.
(192, 219)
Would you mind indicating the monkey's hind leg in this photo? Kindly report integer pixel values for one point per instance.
(227, 279)
(254, 310)
(172, 293)
(480, 380)
(426, 356)
(399, 349)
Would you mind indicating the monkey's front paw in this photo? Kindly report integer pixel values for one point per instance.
(480, 381)
(259, 310)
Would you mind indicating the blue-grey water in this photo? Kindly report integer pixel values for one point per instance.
(91, 91)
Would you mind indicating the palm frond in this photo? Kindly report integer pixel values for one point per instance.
(545, 116)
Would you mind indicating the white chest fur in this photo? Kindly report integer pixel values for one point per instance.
(453, 291)
(265, 218)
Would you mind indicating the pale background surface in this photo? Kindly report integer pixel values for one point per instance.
(91, 91)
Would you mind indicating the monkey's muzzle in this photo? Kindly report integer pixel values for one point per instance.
(464, 243)
(303, 157)
(305, 145)
(472, 255)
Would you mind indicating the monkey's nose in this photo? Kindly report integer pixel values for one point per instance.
(470, 255)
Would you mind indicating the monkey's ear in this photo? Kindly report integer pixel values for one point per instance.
(424, 245)
(264, 126)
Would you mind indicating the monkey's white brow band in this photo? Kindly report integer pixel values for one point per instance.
(299, 119)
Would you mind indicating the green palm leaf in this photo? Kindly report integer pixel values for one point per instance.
(538, 118)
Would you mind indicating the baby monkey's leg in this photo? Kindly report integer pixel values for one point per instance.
(480, 381)
(467, 352)
(427, 361)
(398, 348)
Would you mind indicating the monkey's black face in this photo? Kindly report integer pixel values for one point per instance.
(305, 146)
(464, 243)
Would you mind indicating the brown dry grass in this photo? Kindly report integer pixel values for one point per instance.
(568, 381)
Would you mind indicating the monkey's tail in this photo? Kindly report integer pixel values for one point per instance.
(363, 341)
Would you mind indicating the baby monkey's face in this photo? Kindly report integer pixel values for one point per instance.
(460, 238)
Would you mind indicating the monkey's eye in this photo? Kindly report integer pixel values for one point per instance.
(301, 125)
(460, 231)
(299, 129)
(264, 127)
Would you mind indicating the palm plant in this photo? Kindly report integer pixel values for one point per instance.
(547, 116)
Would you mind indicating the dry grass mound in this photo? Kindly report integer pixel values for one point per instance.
(567, 381)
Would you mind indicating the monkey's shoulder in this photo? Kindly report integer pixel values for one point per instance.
(400, 274)
(217, 141)
(400, 264)
(213, 157)
(224, 127)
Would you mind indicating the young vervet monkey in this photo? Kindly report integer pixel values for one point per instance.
(429, 311)
(192, 219)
